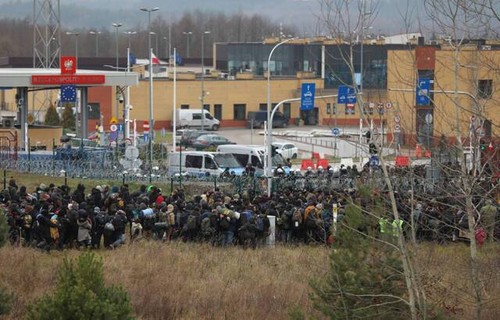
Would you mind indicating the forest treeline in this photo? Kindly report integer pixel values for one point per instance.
(16, 38)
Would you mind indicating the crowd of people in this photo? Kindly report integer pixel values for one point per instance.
(56, 217)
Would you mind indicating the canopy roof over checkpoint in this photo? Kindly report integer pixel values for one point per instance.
(25, 79)
(22, 77)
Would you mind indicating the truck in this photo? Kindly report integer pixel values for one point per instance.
(192, 118)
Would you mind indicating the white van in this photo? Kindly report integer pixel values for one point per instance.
(203, 163)
(191, 118)
(253, 154)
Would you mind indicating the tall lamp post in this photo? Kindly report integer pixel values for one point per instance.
(76, 34)
(269, 124)
(129, 34)
(156, 40)
(96, 33)
(202, 98)
(151, 125)
(126, 105)
(117, 100)
(188, 34)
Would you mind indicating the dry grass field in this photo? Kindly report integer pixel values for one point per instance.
(183, 281)
(194, 281)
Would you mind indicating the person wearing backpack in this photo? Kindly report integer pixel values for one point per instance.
(100, 220)
(119, 223)
(84, 227)
(262, 227)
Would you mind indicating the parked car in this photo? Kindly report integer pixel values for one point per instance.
(189, 136)
(286, 149)
(210, 141)
(256, 119)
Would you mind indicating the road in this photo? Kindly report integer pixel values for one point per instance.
(307, 143)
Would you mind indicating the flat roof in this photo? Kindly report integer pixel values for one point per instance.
(21, 77)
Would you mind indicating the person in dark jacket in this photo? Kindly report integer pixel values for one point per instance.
(119, 222)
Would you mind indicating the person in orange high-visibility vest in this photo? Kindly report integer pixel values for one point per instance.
(418, 151)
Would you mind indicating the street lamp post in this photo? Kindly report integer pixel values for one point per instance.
(156, 40)
(269, 124)
(96, 33)
(187, 33)
(126, 105)
(129, 34)
(76, 34)
(151, 124)
(117, 100)
(202, 98)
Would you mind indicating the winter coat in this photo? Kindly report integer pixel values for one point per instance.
(84, 227)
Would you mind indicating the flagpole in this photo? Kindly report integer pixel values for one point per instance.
(126, 109)
(174, 124)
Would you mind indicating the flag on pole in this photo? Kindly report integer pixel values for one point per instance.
(68, 93)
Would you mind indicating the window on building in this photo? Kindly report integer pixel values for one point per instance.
(287, 110)
(206, 107)
(263, 106)
(94, 110)
(334, 108)
(485, 89)
(328, 108)
(184, 106)
(239, 111)
(218, 111)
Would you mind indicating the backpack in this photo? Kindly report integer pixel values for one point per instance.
(297, 217)
(206, 227)
(100, 219)
(109, 226)
(191, 222)
(259, 223)
(224, 223)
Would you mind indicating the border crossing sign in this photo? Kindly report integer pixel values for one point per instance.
(346, 94)
(307, 96)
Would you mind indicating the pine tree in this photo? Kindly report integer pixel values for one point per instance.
(81, 294)
(52, 117)
(4, 228)
(365, 280)
(68, 118)
(5, 301)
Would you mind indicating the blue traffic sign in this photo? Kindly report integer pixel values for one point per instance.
(307, 96)
(374, 161)
(120, 127)
(423, 90)
(335, 131)
(346, 94)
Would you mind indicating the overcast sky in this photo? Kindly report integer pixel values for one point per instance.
(101, 13)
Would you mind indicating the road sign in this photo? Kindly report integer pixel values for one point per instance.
(120, 127)
(374, 161)
(350, 108)
(335, 131)
(307, 96)
(346, 94)
(397, 127)
(388, 105)
(423, 89)
(397, 119)
(428, 118)
(113, 120)
(113, 128)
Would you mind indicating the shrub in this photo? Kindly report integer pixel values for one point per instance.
(365, 277)
(4, 228)
(81, 294)
(5, 301)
